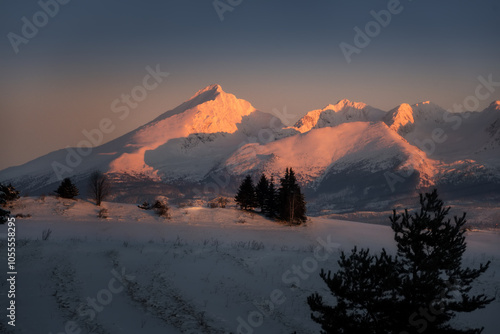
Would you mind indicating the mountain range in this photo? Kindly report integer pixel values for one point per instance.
(347, 156)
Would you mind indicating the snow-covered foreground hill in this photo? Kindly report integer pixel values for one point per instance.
(202, 271)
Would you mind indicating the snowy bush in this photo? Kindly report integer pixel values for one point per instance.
(103, 213)
(161, 209)
(218, 202)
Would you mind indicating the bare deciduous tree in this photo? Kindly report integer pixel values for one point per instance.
(99, 187)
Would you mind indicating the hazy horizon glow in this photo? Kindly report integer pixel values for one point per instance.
(279, 55)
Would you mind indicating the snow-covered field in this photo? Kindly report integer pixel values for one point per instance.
(202, 271)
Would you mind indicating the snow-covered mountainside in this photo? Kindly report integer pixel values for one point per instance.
(400, 119)
(192, 130)
(372, 148)
(343, 111)
(348, 156)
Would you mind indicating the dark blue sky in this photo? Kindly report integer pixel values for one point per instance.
(275, 54)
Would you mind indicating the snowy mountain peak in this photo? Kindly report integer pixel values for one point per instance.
(347, 103)
(400, 119)
(213, 89)
(209, 111)
(343, 111)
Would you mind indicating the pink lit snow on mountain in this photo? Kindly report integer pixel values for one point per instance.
(371, 147)
(400, 119)
(210, 110)
(343, 153)
(334, 114)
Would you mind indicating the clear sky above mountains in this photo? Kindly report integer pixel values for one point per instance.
(84, 55)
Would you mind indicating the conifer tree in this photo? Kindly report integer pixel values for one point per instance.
(421, 289)
(271, 200)
(365, 291)
(292, 206)
(4, 214)
(430, 248)
(261, 191)
(246, 194)
(67, 189)
(8, 193)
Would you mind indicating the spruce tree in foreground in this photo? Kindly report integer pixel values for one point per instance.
(421, 289)
(67, 189)
(246, 194)
(261, 190)
(430, 247)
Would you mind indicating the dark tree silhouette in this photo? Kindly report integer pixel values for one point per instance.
(67, 189)
(261, 190)
(430, 247)
(99, 187)
(246, 194)
(271, 200)
(365, 291)
(8, 193)
(292, 205)
(420, 290)
(4, 215)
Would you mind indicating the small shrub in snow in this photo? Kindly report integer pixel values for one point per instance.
(103, 213)
(46, 234)
(218, 202)
(145, 206)
(212, 205)
(161, 209)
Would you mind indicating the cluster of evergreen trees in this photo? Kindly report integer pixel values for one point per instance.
(286, 203)
(420, 289)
